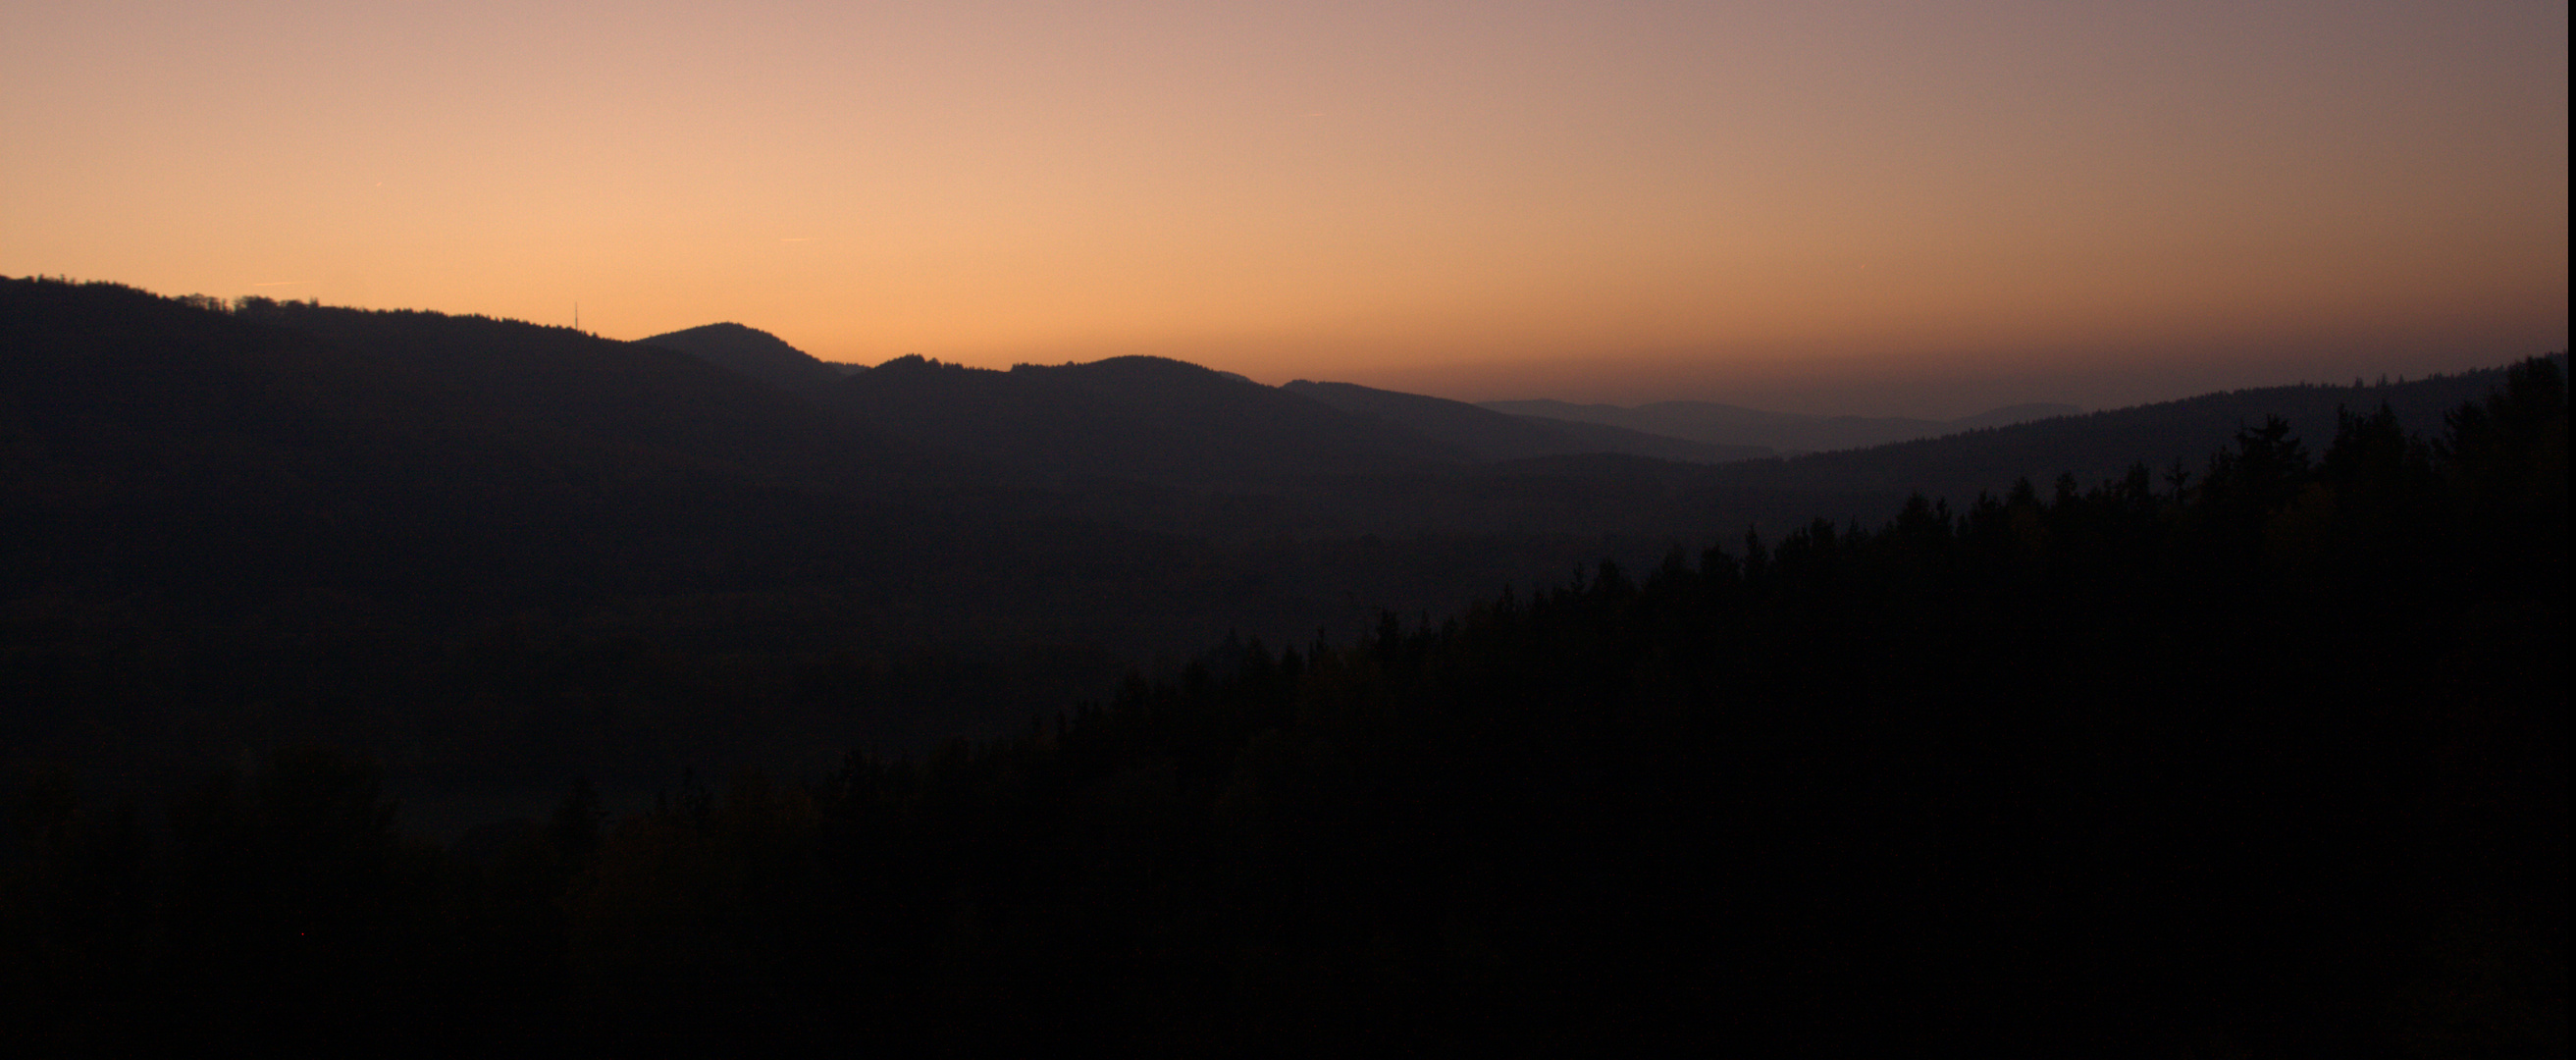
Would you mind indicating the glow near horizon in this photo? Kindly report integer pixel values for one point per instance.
(1875, 204)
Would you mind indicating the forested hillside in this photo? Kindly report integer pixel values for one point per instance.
(2264, 755)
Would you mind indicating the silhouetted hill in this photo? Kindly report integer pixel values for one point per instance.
(1490, 435)
(400, 458)
(1787, 432)
(1142, 417)
(757, 354)
(515, 550)
(414, 457)
(292, 522)
(2102, 445)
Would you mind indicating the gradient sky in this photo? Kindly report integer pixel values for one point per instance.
(1841, 207)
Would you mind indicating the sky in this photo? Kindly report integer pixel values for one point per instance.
(1888, 208)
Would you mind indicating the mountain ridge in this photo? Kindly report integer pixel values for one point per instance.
(1789, 432)
(1153, 418)
(1688, 431)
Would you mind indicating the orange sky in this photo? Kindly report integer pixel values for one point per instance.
(1870, 207)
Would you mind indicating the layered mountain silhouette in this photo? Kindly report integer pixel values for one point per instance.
(1161, 419)
(232, 482)
(1787, 432)
(274, 428)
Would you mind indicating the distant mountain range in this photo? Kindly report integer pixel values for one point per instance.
(980, 413)
(1165, 419)
(1788, 433)
(1328, 459)
(1062, 413)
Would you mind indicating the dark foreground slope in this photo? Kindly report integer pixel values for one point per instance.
(2271, 763)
